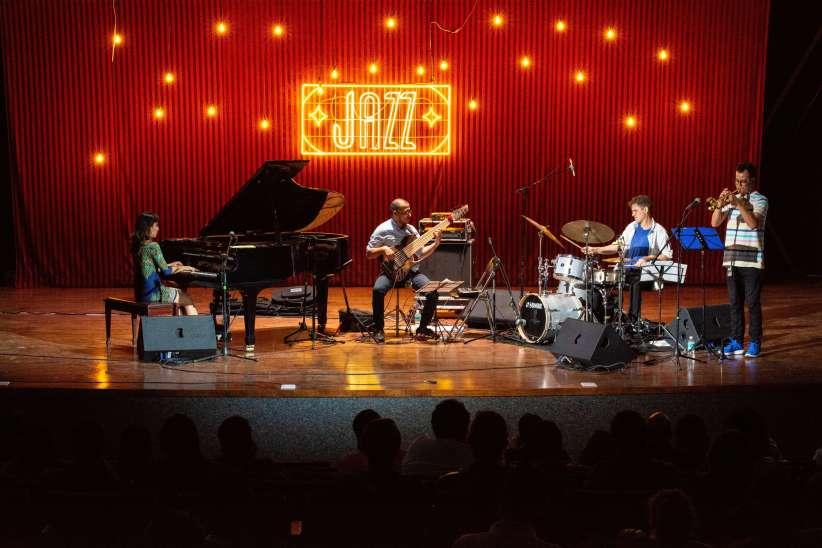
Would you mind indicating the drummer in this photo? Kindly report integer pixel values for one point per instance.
(641, 241)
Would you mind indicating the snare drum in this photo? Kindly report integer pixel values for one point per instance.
(568, 268)
(602, 276)
(543, 314)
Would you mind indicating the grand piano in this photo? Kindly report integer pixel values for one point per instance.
(266, 230)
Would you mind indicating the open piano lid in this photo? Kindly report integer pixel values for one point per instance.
(271, 201)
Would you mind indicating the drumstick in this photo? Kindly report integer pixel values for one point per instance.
(572, 242)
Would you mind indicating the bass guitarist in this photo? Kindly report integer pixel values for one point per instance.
(386, 240)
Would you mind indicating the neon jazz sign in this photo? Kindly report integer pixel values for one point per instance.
(376, 120)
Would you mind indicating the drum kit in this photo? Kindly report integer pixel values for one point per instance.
(580, 279)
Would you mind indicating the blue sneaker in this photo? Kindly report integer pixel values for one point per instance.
(733, 348)
(753, 350)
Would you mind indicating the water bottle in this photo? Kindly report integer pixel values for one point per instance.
(691, 346)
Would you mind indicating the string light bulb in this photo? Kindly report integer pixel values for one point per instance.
(159, 113)
(560, 26)
(265, 125)
(525, 62)
(420, 70)
(391, 23)
(443, 65)
(117, 39)
(497, 20)
(334, 74)
(99, 158)
(373, 68)
(472, 104)
(610, 34)
(579, 77)
(211, 111)
(630, 122)
(221, 27)
(663, 55)
(278, 30)
(168, 77)
(685, 107)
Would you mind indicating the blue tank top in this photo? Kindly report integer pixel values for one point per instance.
(639, 243)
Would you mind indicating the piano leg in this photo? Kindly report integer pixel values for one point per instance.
(250, 316)
(321, 300)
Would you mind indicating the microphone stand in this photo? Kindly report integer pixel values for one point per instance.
(523, 190)
(224, 257)
(511, 302)
(677, 352)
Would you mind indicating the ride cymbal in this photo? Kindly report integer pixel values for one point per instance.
(598, 233)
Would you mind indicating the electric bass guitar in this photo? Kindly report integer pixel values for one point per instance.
(398, 266)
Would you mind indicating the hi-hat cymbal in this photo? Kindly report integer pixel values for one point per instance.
(544, 230)
(614, 260)
(598, 233)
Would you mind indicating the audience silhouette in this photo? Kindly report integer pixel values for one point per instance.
(653, 483)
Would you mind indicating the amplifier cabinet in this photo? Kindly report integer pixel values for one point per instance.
(452, 260)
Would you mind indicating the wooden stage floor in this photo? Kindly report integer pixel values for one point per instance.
(55, 339)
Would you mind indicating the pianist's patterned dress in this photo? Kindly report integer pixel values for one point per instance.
(149, 265)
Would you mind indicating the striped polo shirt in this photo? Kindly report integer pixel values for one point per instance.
(745, 246)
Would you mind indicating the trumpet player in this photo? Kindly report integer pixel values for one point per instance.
(744, 210)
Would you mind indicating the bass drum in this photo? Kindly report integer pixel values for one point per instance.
(543, 315)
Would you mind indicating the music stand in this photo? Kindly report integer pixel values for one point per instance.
(444, 286)
(702, 239)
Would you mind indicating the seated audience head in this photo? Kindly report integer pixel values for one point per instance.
(729, 456)
(752, 425)
(88, 441)
(526, 426)
(488, 437)
(179, 440)
(691, 434)
(361, 421)
(599, 447)
(547, 441)
(236, 444)
(450, 420)
(659, 426)
(629, 431)
(672, 517)
(380, 442)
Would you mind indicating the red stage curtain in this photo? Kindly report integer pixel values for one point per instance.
(67, 100)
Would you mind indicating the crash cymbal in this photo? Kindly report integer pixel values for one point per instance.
(598, 233)
(544, 230)
(613, 260)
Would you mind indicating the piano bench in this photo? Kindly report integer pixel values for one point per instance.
(137, 310)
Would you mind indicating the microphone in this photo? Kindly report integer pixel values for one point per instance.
(693, 204)
(571, 167)
(489, 240)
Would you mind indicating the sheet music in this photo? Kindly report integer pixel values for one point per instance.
(669, 269)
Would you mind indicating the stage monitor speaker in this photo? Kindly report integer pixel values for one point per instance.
(505, 314)
(591, 344)
(717, 328)
(452, 260)
(186, 337)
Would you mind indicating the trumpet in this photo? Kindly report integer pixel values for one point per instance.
(725, 199)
